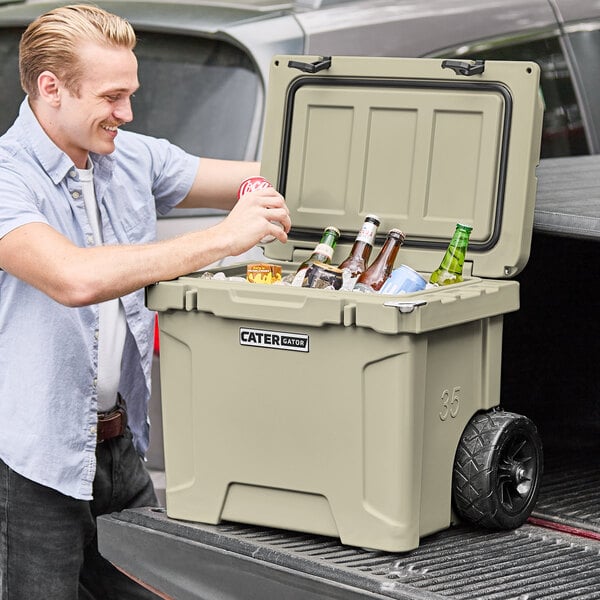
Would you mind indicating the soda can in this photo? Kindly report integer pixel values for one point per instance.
(321, 276)
(250, 184)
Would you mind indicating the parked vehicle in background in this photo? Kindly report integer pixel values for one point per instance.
(204, 67)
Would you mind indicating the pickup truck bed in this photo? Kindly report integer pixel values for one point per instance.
(555, 556)
(551, 352)
(191, 561)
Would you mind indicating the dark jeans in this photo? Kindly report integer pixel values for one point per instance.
(48, 544)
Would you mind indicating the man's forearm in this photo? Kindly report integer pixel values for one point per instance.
(217, 182)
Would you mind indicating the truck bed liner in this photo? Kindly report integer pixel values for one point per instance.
(570, 493)
(193, 561)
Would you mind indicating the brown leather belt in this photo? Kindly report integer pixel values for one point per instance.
(112, 423)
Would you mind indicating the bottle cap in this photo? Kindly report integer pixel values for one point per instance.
(332, 228)
(468, 228)
(373, 219)
(396, 233)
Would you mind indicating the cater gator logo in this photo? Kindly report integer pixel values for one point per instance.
(279, 340)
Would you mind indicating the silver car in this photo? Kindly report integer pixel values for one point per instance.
(204, 66)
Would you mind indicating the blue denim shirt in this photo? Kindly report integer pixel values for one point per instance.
(49, 352)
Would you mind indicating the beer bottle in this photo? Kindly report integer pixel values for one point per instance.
(358, 259)
(451, 267)
(376, 275)
(323, 252)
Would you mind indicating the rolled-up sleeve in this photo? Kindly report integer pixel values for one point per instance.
(18, 205)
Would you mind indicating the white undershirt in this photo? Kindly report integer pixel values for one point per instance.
(112, 327)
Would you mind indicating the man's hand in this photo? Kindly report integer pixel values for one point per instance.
(258, 214)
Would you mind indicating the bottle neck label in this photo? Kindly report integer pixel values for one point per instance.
(367, 233)
(324, 249)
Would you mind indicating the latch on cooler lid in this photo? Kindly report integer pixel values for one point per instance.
(463, 67)
(405, 307)
(315, 67)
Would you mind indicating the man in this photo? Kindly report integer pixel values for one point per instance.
(78, 200)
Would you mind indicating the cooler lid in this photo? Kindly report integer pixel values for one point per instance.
(422, 143)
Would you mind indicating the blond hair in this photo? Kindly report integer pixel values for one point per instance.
(52, 41)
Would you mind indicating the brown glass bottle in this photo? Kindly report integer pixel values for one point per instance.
(376, 275)
(358, 258)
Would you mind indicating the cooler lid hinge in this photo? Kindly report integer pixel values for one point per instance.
(315, 67)
(463, 67)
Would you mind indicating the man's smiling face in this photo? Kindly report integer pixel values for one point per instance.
(87, 121)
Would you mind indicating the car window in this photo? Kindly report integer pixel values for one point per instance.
(584, 41)
(563, 132)
(11, 93)
(202, 95)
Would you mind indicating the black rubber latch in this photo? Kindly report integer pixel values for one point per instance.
(461, 67)
(319, 65)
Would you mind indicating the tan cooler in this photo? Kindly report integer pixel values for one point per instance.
(347, 414)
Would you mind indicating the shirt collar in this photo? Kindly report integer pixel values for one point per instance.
(51, 158)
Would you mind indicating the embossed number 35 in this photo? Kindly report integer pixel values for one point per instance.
(450, 403)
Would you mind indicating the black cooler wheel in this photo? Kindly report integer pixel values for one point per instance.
(497, 470)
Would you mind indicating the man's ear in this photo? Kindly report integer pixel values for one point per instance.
(49, 88)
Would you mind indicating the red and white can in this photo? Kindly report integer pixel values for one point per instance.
(250, 184)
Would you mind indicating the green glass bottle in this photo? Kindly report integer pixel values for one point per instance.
(323, 252)
(451, 267)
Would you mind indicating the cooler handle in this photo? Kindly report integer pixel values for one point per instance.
(462, 67)
(315, 67)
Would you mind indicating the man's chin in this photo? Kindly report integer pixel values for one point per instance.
(104, 148)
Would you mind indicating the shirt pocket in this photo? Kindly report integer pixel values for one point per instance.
(133, 217)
